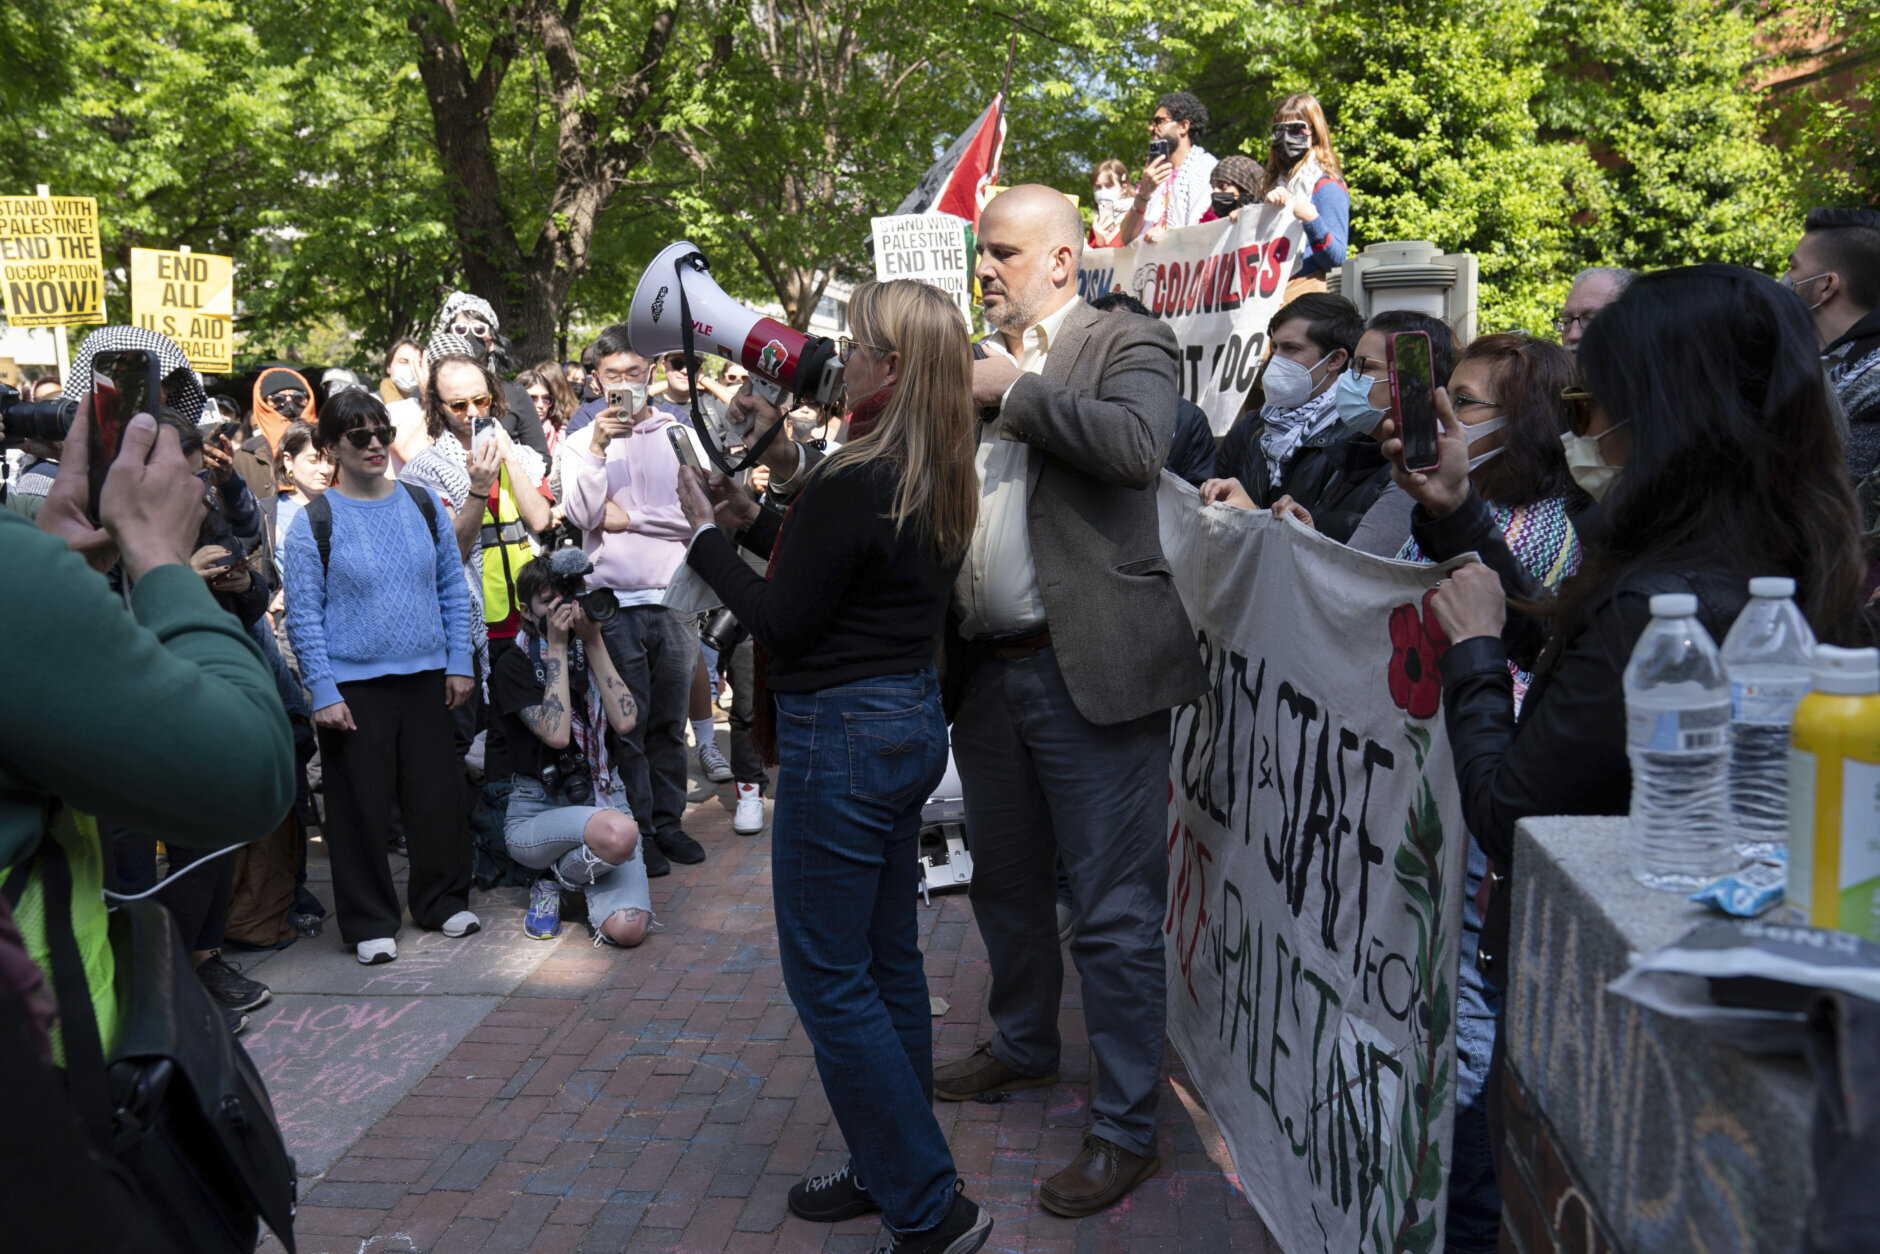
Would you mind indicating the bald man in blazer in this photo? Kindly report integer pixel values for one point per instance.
(1068, 647)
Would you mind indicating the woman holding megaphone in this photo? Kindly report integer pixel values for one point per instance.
(847, 622)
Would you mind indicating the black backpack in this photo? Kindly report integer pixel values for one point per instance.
(319, 513)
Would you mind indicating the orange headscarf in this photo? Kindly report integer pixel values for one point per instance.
(270, 422)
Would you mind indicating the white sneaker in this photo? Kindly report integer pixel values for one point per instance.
(749, 819)
(373, 952)
(462, 924)
(712, 758)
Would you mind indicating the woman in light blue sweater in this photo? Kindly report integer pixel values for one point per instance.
(379, 616)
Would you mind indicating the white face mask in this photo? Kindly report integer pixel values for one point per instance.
(406, 381)
(1108, 195)
(1588, 465)
(1289, 384)
(1475, 430)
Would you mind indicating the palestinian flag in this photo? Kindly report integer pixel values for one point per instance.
(959, 181)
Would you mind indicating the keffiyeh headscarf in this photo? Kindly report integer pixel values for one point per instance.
(182, 390)
(465, 302)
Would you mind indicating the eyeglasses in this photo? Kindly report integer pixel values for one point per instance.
(460, 408)
(1579, 403)
(288, 398)
(1462, 400)
(845, 348)
(1159, 120)
(361, 437)
(1566, 320)
(541, 399)
(1299, 130)
(1371, 368)
(469, 326)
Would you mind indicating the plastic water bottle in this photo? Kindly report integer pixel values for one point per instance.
(1769, 655)
(1677, 704)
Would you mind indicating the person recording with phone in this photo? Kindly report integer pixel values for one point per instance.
(558, 694)
(163, 668)
(1174, 187)
(380, 619)
(860, 578)
(618, 474)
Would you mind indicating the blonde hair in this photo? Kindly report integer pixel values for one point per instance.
(927, 427)
(1305, 104)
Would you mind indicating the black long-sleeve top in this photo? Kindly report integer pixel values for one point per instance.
(1567, 752)
(848, 598)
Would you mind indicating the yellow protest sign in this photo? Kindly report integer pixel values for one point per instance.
(189, 297)
(51, 270)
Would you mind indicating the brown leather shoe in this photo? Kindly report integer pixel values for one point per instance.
(1097, 1180)
(982, 1072)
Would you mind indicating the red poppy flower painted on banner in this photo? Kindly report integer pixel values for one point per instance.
(1415, 683)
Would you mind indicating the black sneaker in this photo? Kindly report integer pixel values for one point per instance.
(656, 863)
(832, 1198)
(964, 1230)
(236, 1020)
(229, 986)
(679, 847)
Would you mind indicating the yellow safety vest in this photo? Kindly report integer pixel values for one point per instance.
(505, 551)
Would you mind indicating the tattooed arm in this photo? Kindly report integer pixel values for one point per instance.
(549, 720)
(623, 712)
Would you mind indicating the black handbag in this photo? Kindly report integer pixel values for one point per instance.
(179, 1108)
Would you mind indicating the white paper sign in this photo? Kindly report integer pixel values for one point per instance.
(930, 247)
(1316, 871)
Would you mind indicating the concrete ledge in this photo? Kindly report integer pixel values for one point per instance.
(1670, 1139)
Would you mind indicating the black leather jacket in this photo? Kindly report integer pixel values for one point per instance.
(1566, 755)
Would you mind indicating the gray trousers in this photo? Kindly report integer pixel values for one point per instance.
(1042, 782)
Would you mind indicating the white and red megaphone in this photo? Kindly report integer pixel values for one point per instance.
(678, 306)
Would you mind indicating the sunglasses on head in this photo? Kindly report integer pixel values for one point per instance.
(482, 402)
(361, 437)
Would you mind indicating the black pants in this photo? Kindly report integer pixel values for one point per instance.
(402, 751)
(741, 666)
(197, 902)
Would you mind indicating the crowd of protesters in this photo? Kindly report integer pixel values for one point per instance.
(445, 597)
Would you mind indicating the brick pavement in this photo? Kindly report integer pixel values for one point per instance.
(666, 1099)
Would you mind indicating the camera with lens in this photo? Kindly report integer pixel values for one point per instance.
(35, 420)
(568, 775)
(568, 569)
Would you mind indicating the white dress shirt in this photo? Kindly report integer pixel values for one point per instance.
(997, 589)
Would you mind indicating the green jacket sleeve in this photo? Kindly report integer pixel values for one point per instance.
(166, 720)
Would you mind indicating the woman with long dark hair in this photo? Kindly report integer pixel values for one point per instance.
(1706, 432)
(862, 572)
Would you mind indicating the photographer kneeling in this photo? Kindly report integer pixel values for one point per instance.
(566, 814)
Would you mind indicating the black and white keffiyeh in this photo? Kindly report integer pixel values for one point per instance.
(182, 390)
(1284, 430)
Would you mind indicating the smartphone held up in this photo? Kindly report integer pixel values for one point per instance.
(123, 384)
(1413, 398)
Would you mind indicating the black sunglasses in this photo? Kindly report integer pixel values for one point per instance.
(361, 437)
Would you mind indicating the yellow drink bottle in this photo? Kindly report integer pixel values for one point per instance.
(1834, 795)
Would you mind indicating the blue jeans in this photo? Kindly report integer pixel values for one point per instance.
(857, 762)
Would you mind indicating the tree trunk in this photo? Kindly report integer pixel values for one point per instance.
(597, 147)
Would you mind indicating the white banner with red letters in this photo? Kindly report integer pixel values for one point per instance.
(1217, 285)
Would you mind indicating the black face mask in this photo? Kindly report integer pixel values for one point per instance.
(1224, 203)
(1292, 147)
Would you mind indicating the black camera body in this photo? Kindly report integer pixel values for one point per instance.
(568, 569)
(568, 775)
(35, 420)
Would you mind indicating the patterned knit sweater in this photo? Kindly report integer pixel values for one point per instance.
(1541, 537)
(392, 602)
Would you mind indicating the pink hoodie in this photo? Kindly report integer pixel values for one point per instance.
(640, 474)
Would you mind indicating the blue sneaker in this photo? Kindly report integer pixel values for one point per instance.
(543, 922)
